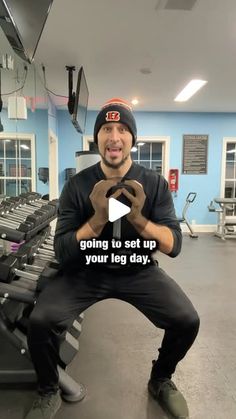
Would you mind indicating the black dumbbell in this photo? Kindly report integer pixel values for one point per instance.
(122, 198)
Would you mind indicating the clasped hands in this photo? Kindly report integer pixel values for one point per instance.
(99, 201)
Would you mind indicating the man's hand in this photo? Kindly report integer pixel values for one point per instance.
(99, 202)
(136, 200)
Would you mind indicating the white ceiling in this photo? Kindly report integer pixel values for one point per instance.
(115, 39)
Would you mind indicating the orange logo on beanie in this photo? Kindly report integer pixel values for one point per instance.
(112, 116)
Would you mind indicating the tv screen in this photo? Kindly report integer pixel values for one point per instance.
(23, 21)
(81, 102)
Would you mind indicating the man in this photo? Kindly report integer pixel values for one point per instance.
(82, 217)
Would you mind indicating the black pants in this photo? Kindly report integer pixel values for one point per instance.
(150, 290)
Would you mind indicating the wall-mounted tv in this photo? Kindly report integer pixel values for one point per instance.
(81, 102)
(23, 21)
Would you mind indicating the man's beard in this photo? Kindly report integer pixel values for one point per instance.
(114, 165)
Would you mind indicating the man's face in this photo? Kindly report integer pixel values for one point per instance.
(114, 144)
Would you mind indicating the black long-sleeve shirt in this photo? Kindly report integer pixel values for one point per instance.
(75, 209)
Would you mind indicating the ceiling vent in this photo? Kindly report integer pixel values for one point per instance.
(175, 4)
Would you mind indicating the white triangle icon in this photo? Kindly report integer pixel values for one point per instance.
(116, 209)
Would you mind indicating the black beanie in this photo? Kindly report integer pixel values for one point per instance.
(116, 110)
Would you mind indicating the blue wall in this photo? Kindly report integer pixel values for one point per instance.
(216, 126)
(174, 125)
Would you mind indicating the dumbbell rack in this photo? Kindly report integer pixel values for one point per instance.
(23, 274)
(23, 217)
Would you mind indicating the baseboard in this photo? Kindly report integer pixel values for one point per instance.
(199, 228)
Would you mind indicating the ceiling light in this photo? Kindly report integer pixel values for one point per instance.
(232, 151)
(134, 149)
(140, 144)
(25, 147)
(134, 101)
(189, 90)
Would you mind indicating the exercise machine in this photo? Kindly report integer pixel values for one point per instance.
(189, 200)
(225, 208)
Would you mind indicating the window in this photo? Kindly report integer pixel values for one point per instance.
(17, 163)
(228, 188)
(150, 152)
(149, 155)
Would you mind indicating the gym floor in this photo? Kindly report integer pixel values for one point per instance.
(118, 343)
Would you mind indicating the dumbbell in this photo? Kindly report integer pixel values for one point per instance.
(7, 266)
(30, 195)
(33, 219)
(23, 208)
(46, 250)
(25, 274)
(17, 219)
(49, 241)
(34, 268)
(11, 292)
(24, 227)
(70, 346)
(32, 251)
(124, 200)
(9, 234)
(47, 246)
(36, 277)
(76, 327)
(41, 213)
(12, 266)
(26, 251)
(41, 272)
(39, 256)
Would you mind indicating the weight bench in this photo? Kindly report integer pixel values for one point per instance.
(189, 200)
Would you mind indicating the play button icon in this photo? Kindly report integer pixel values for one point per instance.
(116, 209)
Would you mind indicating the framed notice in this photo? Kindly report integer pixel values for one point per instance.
(195, 149)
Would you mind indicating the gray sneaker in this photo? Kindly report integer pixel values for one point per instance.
(169, 397)
(45, 407)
